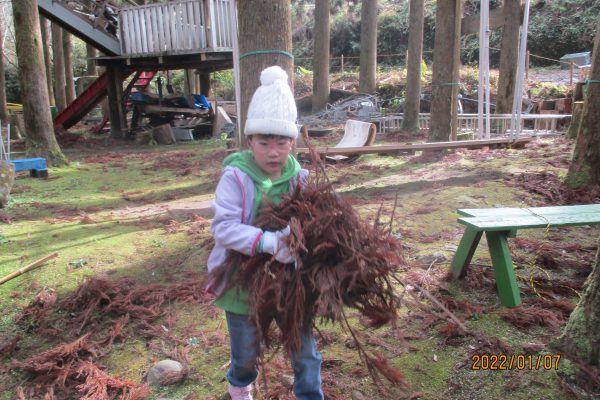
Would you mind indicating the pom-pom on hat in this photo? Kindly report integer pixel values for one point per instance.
(272, 110)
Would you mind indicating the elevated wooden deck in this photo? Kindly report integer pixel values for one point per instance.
(176, 35)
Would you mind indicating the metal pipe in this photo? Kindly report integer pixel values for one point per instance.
(515, 123)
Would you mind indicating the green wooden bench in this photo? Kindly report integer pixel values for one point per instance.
(501, 223)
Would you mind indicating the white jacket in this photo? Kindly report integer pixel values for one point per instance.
(231, 226)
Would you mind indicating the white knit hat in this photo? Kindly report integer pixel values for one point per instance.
(272, 110)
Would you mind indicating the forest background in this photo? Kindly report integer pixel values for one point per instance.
(557, 27)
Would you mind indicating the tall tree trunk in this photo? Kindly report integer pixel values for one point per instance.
(255, 35)
(40, 139)
(3, 109)
(585, 165)
(410, 122)
(45, 28)
(509, 55)
(445, 70)
(69, 78)
(59, 67)
(321, 56)
(581, 336)
(368, 47)
(91, 64)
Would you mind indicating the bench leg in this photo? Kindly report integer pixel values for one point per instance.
(464, 253)
(506, 280)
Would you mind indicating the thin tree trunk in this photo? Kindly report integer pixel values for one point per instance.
(69, 78)
(585, 164)
(91, 64)
(367, 79)
(255, 35)
(444, 71)
(410, 122)
(59, 68)
(581, 336)
(45, 28)
(321, 56)
(509, 56)
(3, 109)
(40, 140)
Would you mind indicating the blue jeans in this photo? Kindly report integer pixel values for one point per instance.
(244, 351)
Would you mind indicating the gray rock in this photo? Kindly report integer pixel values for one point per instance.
(165, 372)
(7, 179)
(356, 395)
(427, 260)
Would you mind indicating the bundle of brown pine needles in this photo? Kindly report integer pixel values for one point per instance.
(341, 261)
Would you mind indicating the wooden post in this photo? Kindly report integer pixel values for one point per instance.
(115, 103)
(204, 79)
(456, 70)
(527, 65)
(571, 65)
(342, 64)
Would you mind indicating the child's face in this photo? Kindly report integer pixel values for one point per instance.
(270, 153)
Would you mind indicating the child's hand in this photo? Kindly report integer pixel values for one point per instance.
(272, 243)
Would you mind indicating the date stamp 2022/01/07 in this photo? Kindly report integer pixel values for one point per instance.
(501, 362)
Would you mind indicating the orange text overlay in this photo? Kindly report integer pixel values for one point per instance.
(501, 362)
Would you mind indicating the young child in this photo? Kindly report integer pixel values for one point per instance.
(266, 171)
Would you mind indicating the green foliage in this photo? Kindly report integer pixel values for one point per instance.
(177, 79)
(224, 84)
(392, 34)
(549, 90)
(424, 71)
(470, 49)
(13, 89)
(79, 57)
(557, 28)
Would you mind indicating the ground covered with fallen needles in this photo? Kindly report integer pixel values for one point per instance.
(131, 226)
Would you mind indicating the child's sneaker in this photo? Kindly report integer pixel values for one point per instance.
(240, 393)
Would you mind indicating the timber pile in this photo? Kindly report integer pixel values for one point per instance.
(341, 262)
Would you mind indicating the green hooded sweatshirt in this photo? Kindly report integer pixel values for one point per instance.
(235, 299)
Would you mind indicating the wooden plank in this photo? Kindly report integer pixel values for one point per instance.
(200, 25)
(212, 24)
(180, 24)
(149, 29)
(230, 18)
(528, 222)
(190, 26)
(220, 21)
(159, 109)
(143, 31)
(160, 28)
(414, 147)
(124, 24)
(167, 27)
(464, 253)
(173, 27)
(199, 29)
(138, 33)
(484, 212)
(133, 37)
(506, 280)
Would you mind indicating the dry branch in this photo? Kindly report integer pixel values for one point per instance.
(27, 268)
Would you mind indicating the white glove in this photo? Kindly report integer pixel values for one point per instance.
(272, 243)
